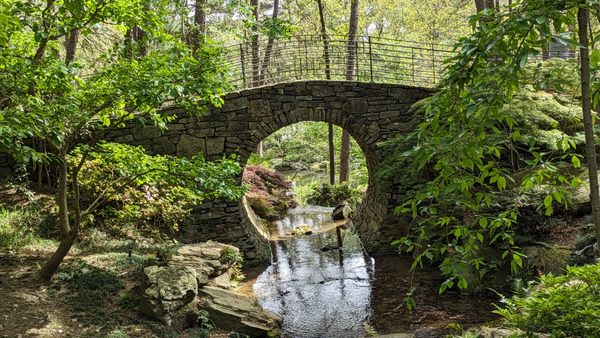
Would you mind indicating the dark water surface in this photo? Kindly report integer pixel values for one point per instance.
(328, 293)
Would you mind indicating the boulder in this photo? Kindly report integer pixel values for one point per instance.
(302, 230)
(168, 288)
(207, 259)
(238, 313)
(222, 281)
(341, 212)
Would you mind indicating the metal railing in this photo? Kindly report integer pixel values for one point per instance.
(377, 60)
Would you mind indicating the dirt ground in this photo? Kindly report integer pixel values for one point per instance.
(86, 300)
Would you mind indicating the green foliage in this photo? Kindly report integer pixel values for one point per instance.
(286, 150)
(465, 147)
(24, 226)
(233, 258)
(259, 161)
(330, 196)
(566, 305)
(150, 193)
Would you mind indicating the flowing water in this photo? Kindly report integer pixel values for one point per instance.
(323, 292)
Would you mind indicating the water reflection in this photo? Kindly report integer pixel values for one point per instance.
(308, 287)
(325, 294)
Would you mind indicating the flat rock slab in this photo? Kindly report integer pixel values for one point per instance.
(238, 313)
(205, 258)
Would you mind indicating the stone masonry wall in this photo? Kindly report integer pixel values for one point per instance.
(371, 113)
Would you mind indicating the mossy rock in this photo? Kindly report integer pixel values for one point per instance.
(544, 259)
(302, 230)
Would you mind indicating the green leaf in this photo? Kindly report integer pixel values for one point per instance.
(575, 161)
(501, 183)
(595, 58)
(548, 201)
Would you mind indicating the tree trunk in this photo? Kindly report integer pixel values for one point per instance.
(327, 76)
(583, 17)
(479, 5)
(269, 47)
(71, 46)
(331, 155)
(255, 47)
(67, 235)
(350, 76)
(199, 24)
(136, 43)
(345, 157)
(325, 40)
(352, 30)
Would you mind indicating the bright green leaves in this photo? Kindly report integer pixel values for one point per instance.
(566, 305)
(148, 187)
(477, 152)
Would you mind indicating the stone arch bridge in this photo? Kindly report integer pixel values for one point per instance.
(366, 88)
(370, 112)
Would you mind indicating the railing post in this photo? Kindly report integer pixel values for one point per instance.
(412, 63)
(370, 59)
(433, 60)
(243, 65)
(356, 59)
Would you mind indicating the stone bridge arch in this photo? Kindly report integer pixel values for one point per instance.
(370, 112)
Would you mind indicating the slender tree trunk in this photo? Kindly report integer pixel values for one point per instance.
(327, 76)
(269, 47)
(142, 40)
(331, 154)
(325, 40)
(490, 4)
(67, 238)
(583, 17)
(479, 5)
(350, 74)
(255, 44)
(352, 39)
(71, 46)
(345, 157)
(199, 24)
(136, 43)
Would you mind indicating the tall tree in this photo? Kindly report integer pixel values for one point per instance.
(199, 28)
(350, 75)
(255, 43)
(330, 135)
(583, 18)
(269, 48)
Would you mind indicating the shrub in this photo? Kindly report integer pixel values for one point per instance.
(328, 195)
(150, 194)
(269, 194)
(24, 226)
(566, 305)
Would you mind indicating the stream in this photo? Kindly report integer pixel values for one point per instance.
(320, 291)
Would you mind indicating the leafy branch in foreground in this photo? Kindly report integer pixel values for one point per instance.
(468, 151)
(61, 101)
